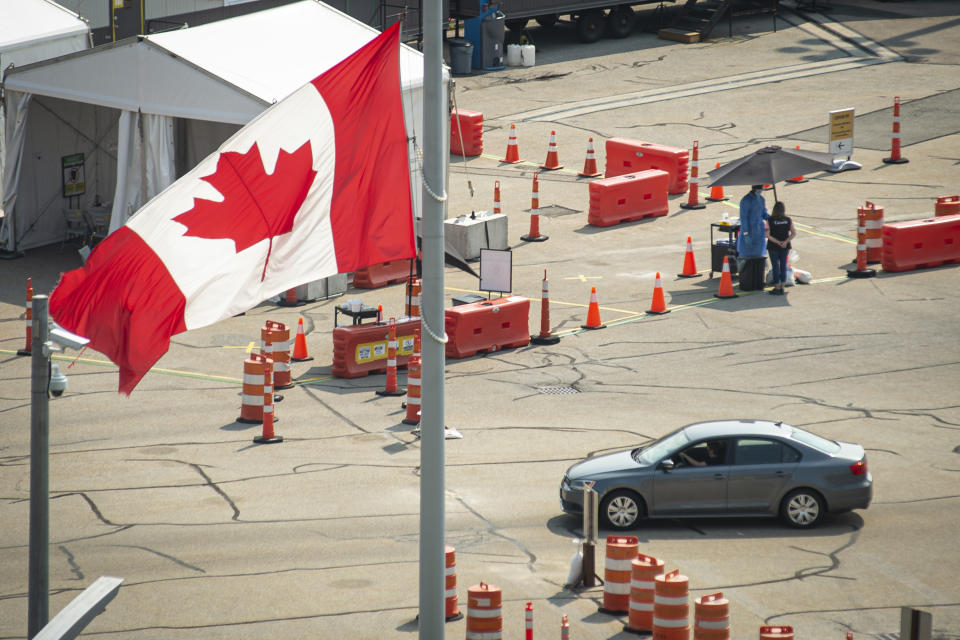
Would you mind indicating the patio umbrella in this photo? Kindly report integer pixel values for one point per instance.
(770, 165)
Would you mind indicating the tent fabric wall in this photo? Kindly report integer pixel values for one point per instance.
(224, 72)
(30, 31)
(54, 129)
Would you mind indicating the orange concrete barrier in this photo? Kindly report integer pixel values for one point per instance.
(277, 336)
(380, 275)
(628, 197)
(466, 133)
(947, 206)
(776, 633)
(630, 156)
(671, 607)
(484, 617)
(930, 242)
(487, 326)
(361, 349)
(711, 617)
(644, 570)
(617, 573)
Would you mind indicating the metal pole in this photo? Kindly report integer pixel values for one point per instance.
(38, 606)
(432, 519)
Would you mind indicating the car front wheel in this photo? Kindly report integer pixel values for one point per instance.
(802, 508)
(621, 509)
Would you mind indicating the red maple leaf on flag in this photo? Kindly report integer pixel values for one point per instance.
(256, 205)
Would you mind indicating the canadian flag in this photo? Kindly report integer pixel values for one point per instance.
(317, 184)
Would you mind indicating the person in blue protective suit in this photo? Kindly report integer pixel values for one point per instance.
(752, 239)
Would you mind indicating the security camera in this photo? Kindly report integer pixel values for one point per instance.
(58, 381)
(65, 339)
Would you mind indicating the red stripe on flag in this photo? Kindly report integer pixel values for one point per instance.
(371, 214)
(124, 300)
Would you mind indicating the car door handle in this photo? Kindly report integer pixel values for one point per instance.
(719, 476)
(780, 474)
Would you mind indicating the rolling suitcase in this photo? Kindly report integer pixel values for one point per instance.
(752, 272)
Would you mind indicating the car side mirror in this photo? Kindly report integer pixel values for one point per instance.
(667, 465)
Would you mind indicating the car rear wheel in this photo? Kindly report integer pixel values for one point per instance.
(621, 509)
(802, 508)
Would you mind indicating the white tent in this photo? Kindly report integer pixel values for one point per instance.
(145, 110)
(34, 30)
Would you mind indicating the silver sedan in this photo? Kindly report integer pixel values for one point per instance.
(724, 468)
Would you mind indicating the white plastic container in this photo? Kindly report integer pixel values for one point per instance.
(513, 55)
(527, 55)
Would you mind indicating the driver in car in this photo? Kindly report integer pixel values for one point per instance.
(712, 456)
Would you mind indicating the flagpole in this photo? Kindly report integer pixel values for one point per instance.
(432, 518)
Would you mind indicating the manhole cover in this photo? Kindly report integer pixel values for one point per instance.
(555, 211)
(558, 391)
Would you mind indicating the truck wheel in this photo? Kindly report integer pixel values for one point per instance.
(516, 24)
(590, 26)
(548, 20)
(621, 22)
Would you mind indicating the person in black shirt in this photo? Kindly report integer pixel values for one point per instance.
(780, 232)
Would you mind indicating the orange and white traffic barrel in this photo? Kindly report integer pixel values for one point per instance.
(451, 611)
(711, 617)
(484, 617)
(617, 570)
(414, 290)
(267, 435)
(874, 219)
(671, 607)
(251, 403)
(644, 570)
(776, 633)
(277, 336)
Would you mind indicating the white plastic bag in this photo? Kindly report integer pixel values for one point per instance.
(576, 565)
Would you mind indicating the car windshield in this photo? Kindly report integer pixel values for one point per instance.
(815, 441)
(660, 449)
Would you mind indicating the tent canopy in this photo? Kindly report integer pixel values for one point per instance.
(172, 90)
(226, 71)
(33, 30)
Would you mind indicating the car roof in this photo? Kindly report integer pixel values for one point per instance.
(727, 428)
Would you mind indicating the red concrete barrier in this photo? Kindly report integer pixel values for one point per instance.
(628, 197)
(380, 275)
(930, 242)
(487, 326)
(630, 156)
(468, 126)
(947, 206)
(361, 349)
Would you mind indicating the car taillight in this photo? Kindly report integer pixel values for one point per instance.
(859, 468)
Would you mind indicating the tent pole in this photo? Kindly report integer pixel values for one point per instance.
(432, 518)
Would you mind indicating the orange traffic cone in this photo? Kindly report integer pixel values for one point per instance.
(689, 264)
(658, 306)
(726, 281)
(895, 157)
(391, 388)
(496, 197)
(716, 193)
(693, 199)
(28, 349)
(513, 149)
(267, 435)
(797, 179)
(553, 161)
(590, 164)
(534, 235)
(545, 337)
(593, 313)
(300, 345)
